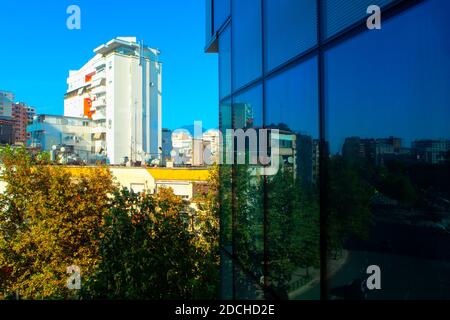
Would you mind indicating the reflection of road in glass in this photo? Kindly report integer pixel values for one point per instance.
(402, 277)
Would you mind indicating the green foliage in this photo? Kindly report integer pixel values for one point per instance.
(149, 251)
(49, 220)
(127, 245)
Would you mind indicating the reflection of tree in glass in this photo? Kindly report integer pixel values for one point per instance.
(292, 230)
(248, 227)
(348, 204)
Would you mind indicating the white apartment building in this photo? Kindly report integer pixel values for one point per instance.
(182, 145)
(196, 152)
(211, 146)
(120, 89)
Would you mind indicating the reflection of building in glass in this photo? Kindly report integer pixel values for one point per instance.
(287, 59)
(431, 151)
(243, 115)
(307, 159)
(356, 148)
(375, 151)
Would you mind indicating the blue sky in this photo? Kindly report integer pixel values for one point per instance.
(37, 51)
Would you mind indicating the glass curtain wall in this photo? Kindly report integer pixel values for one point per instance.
(364, 149)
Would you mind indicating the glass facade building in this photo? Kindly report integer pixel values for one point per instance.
(364, 134)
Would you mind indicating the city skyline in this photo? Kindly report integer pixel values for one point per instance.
(60, 50)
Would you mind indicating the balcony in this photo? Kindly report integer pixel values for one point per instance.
(99, 90)
(99, 75)
(99, 114)
(99, 103)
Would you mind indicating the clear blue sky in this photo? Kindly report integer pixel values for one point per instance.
(37, 51)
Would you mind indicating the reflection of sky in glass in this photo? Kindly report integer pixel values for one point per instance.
(290, 28)
(291, 99)
(393, 81)
(246, 42)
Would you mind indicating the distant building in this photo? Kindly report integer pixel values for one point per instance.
(211, 146)
(6, 102)
(120, 89)
(6, 120)
(6, 131)
(22, 114)
(185, 183)
(48, 132)
(431, 151)
(166, 144)
(182, 144)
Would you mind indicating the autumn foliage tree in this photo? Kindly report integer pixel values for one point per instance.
(127, 245)
(49, 220)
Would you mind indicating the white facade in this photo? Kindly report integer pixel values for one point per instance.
(211, 145)
(182, 145)
(120, 90)
(196, 152)
(74, 134)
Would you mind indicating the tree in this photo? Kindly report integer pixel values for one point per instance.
(150, 249)
(49, 221)
(207, 231)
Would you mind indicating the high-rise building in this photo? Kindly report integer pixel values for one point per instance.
(326, 70)
(23, 116)
(166, 143)
(120, 89)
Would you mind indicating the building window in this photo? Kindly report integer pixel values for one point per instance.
(246, 49)
(338, 15)
(290, 28)
(225, 63)
(382, 116)
(221, 13)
